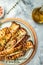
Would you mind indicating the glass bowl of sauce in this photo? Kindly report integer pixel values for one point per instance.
(37, 15)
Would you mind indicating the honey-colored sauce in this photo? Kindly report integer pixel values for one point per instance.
(37, 15)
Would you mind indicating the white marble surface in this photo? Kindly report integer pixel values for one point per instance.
(24, 10)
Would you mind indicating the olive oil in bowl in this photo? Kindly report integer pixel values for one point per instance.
(37, 15)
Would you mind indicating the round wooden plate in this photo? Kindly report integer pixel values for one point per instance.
(33, 32)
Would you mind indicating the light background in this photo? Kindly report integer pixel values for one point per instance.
(24, 10)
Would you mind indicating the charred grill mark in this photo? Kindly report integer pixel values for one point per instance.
(15, 55)
(21, 52)
(14, 43)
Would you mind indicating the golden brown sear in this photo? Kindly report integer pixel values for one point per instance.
(14, 27)
(2, 34)
(21, 52)
(28, 45)
(8, 48)
(6, 30)
(15, 55)
(13, 42)
(4, 41)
